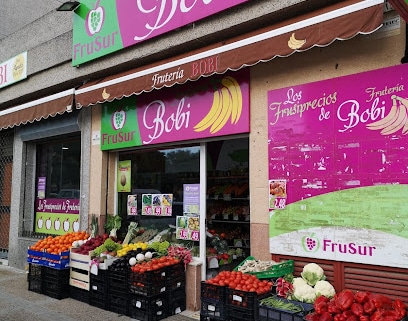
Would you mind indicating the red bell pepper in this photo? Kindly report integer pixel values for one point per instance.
(380, 301)
(364, 317)
(399, 304)
(352, 318)
(376, 316)
(312, 317)
(344, 299)
(333, 308)
(361, 296)
(357, 309)
(320, 307)
(339, 317)
(326, 316)
(369, 307)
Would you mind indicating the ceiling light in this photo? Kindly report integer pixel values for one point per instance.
(68, 6)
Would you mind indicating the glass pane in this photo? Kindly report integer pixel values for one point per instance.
(161, 171)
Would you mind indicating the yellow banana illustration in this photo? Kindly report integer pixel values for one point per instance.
(225, 113)
(404, 104)
(294, 43)
(105, 95)
(236, 97)
(212, 115)
(387, 120)
(399, 122)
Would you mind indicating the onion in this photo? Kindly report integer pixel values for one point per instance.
(140, 257)
(148, 255)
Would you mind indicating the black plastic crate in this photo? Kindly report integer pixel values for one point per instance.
(213, 310)
(98, 299)
(267, 313)
(149, 277)
(35, 284)
(151, 308)
(99, 283)
(35, 271)
(175, 270)
(56, 283)
(242, 314)
(118, 282)
(243, 299)
(149, 283)
(213, 292)
(178, 282)
(79, 294)
(118, 303)
(176, 301)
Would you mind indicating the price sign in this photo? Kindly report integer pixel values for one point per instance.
(133, 210)
(147, 210)
(182, 234)
(157, 211)
(195, 235)
(280, 203)
(168, 211)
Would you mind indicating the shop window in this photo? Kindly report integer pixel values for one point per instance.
(59, 164)
(158, 172)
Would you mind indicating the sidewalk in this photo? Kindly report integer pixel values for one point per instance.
(19, 304)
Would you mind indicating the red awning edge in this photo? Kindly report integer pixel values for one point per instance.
(341, 21)
(38, 109)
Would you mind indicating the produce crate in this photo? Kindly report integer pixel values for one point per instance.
(213, 310)
(35, 278)
(178, 282)
(79, 261)
(175, 270)
(98, 291)
(148, 283)
(57, 261)
(118, 282)
(79, 294)
(148, 308)
(118, 303)
(79, 278)
(56, 283)
(35, 257)
(236, 313)
(176, 301)
(244, 299)
(277, 270)
(213, 292)
(268, 313)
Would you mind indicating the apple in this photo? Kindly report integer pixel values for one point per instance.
(40, 222)
(66, 225)
(95, 19)
(75, 226)
(48, 223)
(57, 224)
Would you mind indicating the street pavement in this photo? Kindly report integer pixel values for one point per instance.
(17, 303)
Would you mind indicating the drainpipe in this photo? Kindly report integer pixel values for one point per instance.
(404, 59)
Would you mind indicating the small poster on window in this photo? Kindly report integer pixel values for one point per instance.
(124, 171)
(132, 205)
(41, 187)
(157, 204)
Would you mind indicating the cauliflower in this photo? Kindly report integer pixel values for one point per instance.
(302, 291)
(324, 288)
(312, 273)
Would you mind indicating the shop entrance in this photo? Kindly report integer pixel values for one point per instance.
(172, 174)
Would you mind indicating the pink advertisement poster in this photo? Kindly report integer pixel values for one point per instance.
(341, 146)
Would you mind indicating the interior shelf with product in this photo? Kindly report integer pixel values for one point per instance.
(228, 218)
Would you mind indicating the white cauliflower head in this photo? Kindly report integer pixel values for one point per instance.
(324, 288)
(302, 291)
(312, 273)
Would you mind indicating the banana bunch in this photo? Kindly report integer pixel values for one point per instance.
(227, 104)
(396, 119)
(294, 43)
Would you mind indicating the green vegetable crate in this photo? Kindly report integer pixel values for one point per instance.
(296, 311)
(275, 271)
